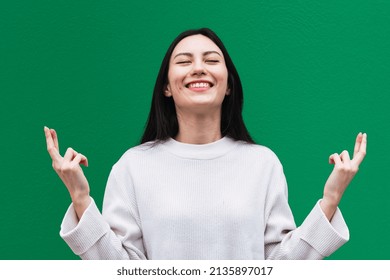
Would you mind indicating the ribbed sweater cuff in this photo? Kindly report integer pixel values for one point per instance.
(91, 225)
(324, 236)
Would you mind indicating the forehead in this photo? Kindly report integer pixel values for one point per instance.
(196, 44)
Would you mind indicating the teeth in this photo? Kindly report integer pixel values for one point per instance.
(199, 85)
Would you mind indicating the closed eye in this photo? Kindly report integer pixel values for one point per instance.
(183, 62)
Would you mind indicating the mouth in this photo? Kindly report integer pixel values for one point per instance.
(199, 85)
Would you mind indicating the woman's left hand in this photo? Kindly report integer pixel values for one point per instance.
(344, 170)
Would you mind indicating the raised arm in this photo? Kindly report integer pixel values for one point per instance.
(69, 170)
(315, 238)
(344, 170)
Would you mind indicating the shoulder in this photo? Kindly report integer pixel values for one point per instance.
(145, 148)
(138, 153)
(258, 151)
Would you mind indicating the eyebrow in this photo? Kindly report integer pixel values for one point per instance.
(191, 55)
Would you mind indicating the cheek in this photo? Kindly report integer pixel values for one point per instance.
(176, 87)
(175, 79)
(225, 80)
(223, 76)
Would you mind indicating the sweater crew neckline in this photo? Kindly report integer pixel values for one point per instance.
(200, 151)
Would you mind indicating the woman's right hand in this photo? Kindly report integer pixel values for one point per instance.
(69, 170)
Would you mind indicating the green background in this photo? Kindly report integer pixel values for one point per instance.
(315, 73)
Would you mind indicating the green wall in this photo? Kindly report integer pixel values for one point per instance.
(315, 73)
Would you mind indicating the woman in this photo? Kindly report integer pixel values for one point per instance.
(198, 187)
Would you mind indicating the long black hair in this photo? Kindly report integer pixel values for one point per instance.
(162, 121)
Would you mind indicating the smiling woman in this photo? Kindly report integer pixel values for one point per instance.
(163, 118)
(198, 187)
(198, 84)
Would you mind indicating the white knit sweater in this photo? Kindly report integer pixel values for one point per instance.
(223, 200)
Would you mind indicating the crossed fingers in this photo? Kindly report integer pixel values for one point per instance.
(358, 154)
(71, 157)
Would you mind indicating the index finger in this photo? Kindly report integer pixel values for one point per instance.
(360, 152)
(51, 147)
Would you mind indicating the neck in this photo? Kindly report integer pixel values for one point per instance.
(199, 128)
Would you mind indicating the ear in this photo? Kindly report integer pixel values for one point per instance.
(167, 91)
(228, 91)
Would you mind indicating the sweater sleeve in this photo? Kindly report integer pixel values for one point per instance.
(114, 235)
(316, 238)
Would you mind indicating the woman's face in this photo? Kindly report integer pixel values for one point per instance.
(197, 76)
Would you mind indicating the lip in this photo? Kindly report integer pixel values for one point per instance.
(199, 88)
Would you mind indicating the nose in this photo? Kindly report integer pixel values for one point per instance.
(198, 68)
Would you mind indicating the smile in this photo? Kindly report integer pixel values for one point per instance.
(199, 85)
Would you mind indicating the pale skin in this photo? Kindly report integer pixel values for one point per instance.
(197, 60)
(343, 172)
(69, 170)
(197, 82)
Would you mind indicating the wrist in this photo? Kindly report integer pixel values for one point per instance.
(79, 197)
(80, 205)
(81, 201)
(330, 201)
(328, 207)
(332, 198)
